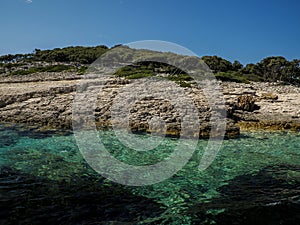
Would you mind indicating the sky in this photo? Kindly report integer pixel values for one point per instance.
(243, 30)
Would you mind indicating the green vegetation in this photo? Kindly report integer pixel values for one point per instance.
(236, 76)
(150, 69)
(82, 69)
(78, 54)
(64, 59)
(77, 59)
(270, 69)
(53, 68)
(217, 64)
(139, 70)
(181, 79)
(83, 55)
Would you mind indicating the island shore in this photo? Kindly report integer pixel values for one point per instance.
(45, 100)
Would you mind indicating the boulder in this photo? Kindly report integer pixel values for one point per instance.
(246, 103)
(269, 96)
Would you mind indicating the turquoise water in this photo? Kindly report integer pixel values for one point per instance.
(56, 157)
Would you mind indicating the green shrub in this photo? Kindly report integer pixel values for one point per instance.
(139, 75)
(150, 69)
(82, 70)
(232, 76)
(56, 68)
(179, 77)
(131, 71)
(183, 84)
(26, 72)
(52, 68)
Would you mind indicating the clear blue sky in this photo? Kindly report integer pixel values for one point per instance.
(246, 30)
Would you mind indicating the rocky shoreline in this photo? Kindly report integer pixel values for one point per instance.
(45, 100)
(277, 106)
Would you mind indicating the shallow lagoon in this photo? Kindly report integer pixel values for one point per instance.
(258, 172)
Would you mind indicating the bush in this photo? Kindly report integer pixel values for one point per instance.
(82, 70)
(238, 77)
(139, 75)
(179, 77)
(53, 68)
(183, 84)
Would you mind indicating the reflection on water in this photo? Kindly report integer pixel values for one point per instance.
(253, 177)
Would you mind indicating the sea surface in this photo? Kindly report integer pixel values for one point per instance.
(255, 179)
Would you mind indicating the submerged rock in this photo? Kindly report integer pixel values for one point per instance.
(272, 196)
(25, 199)
(8, 138)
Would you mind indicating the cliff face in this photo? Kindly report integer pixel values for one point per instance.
(45, 100)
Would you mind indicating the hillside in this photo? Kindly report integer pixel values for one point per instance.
(77, 59)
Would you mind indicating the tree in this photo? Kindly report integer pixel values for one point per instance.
(273, 68)
(217, 64)
(292, 72)
(251, 69)
(237, 65)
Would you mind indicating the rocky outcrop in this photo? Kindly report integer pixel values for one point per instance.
(46, 101)
(246, 103)
(269, 96)
(278, 106)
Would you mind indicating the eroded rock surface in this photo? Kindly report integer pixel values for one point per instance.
(46, 100)
(278, 105)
